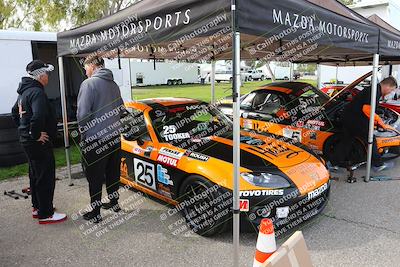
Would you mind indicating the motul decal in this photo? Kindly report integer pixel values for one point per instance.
(167, 160)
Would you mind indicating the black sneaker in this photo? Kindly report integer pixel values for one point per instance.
(92, 216)
(109, 205)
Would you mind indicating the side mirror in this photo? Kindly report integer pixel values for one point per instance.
(134, 134)
(244, 107)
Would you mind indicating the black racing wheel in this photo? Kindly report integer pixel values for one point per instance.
(344, 151)
(206, 207)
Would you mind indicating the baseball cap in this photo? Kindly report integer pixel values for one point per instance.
(38, 67)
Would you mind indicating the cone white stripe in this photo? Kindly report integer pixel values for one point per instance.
(257, 263)
(266, 243)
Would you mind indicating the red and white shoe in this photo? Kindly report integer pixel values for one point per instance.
(56, 218)
(35, 213)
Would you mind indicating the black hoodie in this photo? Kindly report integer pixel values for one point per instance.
(32, 112)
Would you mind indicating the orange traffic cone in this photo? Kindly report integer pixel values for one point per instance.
(266, 244)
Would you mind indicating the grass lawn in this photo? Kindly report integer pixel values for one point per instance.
(201, 92)
(59, 153)
(197, 91)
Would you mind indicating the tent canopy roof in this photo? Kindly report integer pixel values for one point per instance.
(200, 30)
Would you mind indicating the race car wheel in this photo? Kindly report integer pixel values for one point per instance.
(11, 151)
(344, 151)
(204, 209)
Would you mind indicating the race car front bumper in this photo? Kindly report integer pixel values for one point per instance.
(285, 211)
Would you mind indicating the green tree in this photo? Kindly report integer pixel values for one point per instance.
(55, 14)
(347, 2)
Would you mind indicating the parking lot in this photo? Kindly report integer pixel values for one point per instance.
(360, 222)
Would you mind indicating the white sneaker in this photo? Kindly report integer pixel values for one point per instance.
(56, 218)
(35, 213)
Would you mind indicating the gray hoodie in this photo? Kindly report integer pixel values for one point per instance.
(99, 105)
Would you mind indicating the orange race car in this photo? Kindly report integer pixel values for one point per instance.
(180, 151)
(300, 111)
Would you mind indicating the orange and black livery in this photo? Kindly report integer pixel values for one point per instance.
(180, 151)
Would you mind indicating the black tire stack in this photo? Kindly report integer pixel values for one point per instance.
(11, 152)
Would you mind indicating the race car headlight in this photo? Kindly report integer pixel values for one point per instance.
(266, 180)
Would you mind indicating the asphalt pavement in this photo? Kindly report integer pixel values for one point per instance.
(359, 227)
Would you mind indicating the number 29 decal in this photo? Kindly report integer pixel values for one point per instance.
(144, 173)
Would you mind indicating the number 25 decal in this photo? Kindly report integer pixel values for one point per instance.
(169, 129)
(144, 173)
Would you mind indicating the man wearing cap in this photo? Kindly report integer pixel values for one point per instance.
(37, 129)
(99, 111)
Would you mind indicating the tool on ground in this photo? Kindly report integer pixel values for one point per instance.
(10, 195)
(26, 190)
(18, 194)
(383, 178)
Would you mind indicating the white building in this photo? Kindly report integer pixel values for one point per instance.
(389, 11)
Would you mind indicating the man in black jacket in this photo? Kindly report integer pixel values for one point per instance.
(37, 129)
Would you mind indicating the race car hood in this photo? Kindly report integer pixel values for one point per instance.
(256, 151)
(263, 153)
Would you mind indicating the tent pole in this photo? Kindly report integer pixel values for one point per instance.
(236, 132)
(371, 116)
(213, 81)
(64, 116)
(319, 85)
(337, 74)
(291, 72)
(270, 71)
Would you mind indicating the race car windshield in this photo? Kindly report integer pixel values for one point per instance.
(181, 123)
(319, 98)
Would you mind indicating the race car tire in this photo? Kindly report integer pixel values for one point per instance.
(13, 159)
(202, 211)
(9, 135)
(332, 150)
(6, 121)
(11, 152)
(10, 148)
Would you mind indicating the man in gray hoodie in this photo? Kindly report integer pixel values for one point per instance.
(99, 111)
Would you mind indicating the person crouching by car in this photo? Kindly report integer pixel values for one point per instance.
(37, 129)
(99, 111)
(356, 115)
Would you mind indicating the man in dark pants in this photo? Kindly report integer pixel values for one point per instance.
(356, 117)
(37, 129)
(99, 112)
